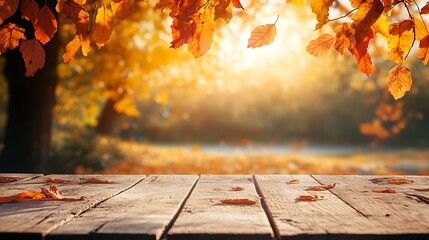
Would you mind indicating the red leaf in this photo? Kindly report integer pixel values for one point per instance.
(33, 55)
(237, 4)
(45, 25)
(10, 34)
(29, 10)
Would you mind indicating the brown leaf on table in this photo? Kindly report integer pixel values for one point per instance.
(400, 181)
(293, 181)
(96, 180)
(309, 198)
(22, 196)
(57, 180)
(390, 180)
(55, 194)
(238, 201)
(8, 179)
(237, 189)
(384, 190)
(380, 180)
(321, 187)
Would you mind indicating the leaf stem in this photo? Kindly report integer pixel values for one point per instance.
(338, 18)
(278, 16)
(414, 29)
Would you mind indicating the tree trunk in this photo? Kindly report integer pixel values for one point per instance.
(108, 123)
(31, 101)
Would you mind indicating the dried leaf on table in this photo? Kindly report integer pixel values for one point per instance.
(9, 179)
(238, 201)
(321, 187)
(384, 191)
(57, 180)
(293, 181)
(54, 193)
(400, 181)
(309, 198)
(237, 189)
(96, 180)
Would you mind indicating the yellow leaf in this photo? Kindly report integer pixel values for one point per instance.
(321, 9)
(420, 28)
(85, 41)
(343, 38)
(10, 34)
(71, 49)
(203, 36)
(122, 8)
(7, 9)
(423, 50)
(262, 35)
(400, 39)
(320, 45)
(223, 10)
(399, 81)
(381, 26)
(103, 26)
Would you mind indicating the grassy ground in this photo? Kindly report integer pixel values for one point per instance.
(152, 159)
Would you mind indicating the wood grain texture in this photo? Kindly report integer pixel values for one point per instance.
(22, 177)
(397, 213)
(142, 212)
(34, 219)
(204, 217)
(329, 218)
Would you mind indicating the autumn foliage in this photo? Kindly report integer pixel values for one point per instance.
(193, 22)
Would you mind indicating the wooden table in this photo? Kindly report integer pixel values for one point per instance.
(189, 207)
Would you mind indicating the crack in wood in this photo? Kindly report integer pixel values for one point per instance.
(266, 210)
(418, 198)
(348, 204)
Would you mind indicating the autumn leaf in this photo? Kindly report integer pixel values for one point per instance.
(165, 5)
(54, 193)
(420, 28)
(343, 38)
(203, 36)
(33, 55)
(262, 35)
(381, 26)
(29, 10)
(320, 45)
(298, 3)
(80, 2)
(399, 81)
(45, 25)
(80, 17)
(293, 181)
(71, 48)
(10, 34)
(384, 190)
(223, 11)
(365, 64)
(309, 198)
(237, 4)
(321, 187)
(122, 8)
(424, 50)
(96, 180)
(236, 189)
(7, 9)
(103, 27)
(425, 9)
(400, 39)
(57, 180)
(321, 9)
(238, 201)
(400, 181)
(367, 14)
(4, 179)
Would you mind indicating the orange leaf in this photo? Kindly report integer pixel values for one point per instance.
(103, 27)
(309, 198)
(10, 34)
(97, 180)
(237, 4)
(45, 25)
(223, 10)
(343, 38)
(321, 187)
(321, 9)
(33, 55)
(55, 194)
(122, 8)
(262, 35)
(425, 9)
(384, 191)
(29, 195)
(400, 181)
(399, 81)
(320, 45)
(80, 2)
(238, 201)
(203, 36)
(400, 39)
(293, 181)
(379, 180)
(424, 49)
(367, 14)
(237, 189)
(8, 179)
(79, 15)
(7, 9)
(71, 49)
(365, 64)
(57, 180)
(29, 10)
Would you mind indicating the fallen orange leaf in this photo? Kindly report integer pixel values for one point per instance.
(54, 193)
(237, 189)
(321, 187)
(238, 201)
(57, 180)
(399, 181)
(384, 191)
(9, 179)
(97, 180)
(309, 198)
(293, 181)
(379, 180)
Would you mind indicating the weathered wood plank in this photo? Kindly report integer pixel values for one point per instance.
(32, 220)
(20, 176)
(142, 212)
(329, 218)
(396, 213)
(204, 217)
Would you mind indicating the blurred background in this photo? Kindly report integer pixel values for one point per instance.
(137, 106)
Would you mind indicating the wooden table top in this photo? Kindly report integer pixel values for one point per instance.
(190, 207)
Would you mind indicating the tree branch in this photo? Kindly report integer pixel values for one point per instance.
(338, 18)
(414, 29)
